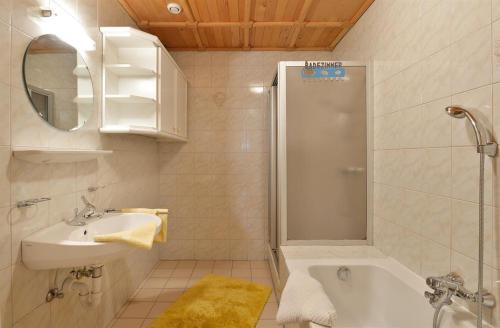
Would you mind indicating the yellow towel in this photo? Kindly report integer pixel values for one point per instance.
(162, 213)
(141, 237)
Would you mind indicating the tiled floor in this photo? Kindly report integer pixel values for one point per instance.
(169, 279)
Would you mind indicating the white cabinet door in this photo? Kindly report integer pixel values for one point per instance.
(181, 106)
(168, 80)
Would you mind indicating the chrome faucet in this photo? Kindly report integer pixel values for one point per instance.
(445, 287)
(88, 212)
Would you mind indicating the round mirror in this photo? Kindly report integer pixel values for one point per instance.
(58, 83)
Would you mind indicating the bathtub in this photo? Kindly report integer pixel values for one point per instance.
(380, 293)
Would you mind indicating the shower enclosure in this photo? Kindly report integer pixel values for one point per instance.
(319, 158)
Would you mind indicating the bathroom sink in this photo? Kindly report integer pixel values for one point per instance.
(66, 246)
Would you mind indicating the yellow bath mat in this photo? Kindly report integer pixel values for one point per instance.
(216, 302)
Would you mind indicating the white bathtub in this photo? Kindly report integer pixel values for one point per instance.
(381, 293)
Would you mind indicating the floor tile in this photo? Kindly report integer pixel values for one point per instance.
(200, 272)
(205, 264)
(146, 295)
(137, 310)
(186, 264)
(261, 273)
(182, 273)
(259, 265)
(161, 273)
(128, 323)
(158, 309)
(222, 271)
(177, 283)
(241, 273)
(147, 323)
(154, 283)
(269, 312)
(166, 265)
(223, 264)
(263, 281)
(241, 265)
(170, 295)
(193, 281)
(268, 324)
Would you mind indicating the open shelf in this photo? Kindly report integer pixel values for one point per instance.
(87, 99)
(130, 70)
(127, 37)
(47, 156)
(144, 91)
(130, 99)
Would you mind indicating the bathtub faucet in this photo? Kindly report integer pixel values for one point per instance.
(450, 285)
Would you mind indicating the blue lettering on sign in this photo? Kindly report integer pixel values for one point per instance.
(323, 73)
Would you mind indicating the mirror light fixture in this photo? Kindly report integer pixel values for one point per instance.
(56, 20)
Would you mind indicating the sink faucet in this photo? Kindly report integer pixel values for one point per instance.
(88, 212)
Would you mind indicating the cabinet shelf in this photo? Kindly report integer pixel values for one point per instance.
(126, 70)
(130, 99)
(141, 130)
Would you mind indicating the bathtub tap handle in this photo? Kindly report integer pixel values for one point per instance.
(453, 285)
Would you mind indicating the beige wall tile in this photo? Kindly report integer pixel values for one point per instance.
(469, 16)
(473, 50)
(28, 290)
(6, 297)
(436, 127)
(465, 231)
(465, 175)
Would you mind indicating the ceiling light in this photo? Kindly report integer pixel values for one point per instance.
(174, 8)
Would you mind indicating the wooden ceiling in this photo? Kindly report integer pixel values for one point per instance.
(248, 24)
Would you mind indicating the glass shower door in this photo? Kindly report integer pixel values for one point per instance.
(323, 149)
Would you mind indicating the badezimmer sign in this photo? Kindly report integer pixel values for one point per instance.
(323, 70)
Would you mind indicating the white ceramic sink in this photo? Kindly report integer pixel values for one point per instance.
(66, 246)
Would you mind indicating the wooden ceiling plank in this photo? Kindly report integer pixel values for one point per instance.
(239, 24)
(234, 15)
(300, 22)
(324, 24)
(253, 49)
(273, 24)
(214, 11)
(364, 7)
(219, 37)
(221, 24)
(194, 24)
(259, 11)
(131, 12)
(248, 26)
(194, 10)
(166, 24)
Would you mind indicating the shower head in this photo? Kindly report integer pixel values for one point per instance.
(459, 112)
(456, 112)
(490, 147)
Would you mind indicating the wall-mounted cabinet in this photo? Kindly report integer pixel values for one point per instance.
(144, 91)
